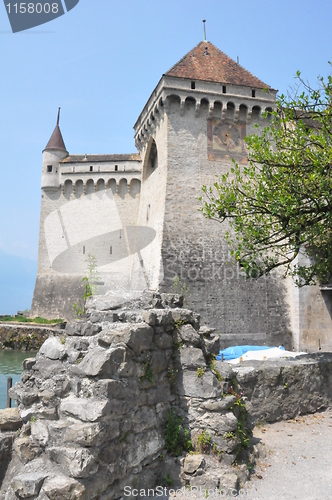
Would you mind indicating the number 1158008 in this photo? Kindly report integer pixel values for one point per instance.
(31, 8)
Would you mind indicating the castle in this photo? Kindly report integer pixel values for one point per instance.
(137, 214)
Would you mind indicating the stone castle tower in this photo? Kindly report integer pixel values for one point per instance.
(138, 214)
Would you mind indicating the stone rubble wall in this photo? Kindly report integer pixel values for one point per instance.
(95, 406)
(284, 388)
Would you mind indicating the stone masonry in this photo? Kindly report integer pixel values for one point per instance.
(95, 406)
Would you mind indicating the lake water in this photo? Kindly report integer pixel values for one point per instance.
(11, 366)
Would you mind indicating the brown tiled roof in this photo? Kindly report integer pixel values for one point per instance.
(56, 141)
(100, 158)
(212, 65)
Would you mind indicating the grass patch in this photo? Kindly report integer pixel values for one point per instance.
(177, 438)
(23, 319)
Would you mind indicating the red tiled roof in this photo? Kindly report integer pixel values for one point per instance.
(213, 66)
(101, 158)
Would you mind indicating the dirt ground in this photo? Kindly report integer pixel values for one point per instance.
(298, 460)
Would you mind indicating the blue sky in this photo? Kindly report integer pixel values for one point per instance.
(100, 63)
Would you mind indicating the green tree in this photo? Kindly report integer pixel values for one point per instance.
(279, 206)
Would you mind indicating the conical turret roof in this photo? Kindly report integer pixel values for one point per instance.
(56, 140)
(207, 63)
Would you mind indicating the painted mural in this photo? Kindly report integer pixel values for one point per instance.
(226, 138)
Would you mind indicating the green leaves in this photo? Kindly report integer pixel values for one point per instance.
(280, 204)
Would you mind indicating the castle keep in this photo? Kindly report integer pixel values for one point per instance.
(137, 214)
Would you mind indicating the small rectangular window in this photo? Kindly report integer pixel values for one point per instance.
(111, 250)
(116, 168)
(193, 85)
(49, 168)
(91, 169)
(253, 93)
(224, 89)
(83, 250)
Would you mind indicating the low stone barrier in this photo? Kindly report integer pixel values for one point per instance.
(285, 388)
(25, 337)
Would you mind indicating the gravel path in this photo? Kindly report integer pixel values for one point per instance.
(298, 461)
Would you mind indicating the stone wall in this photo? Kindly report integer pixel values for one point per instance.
(25, 337)
(74, 224)
(120, 400)
(282, 389)
(194, 248)
(95, 407)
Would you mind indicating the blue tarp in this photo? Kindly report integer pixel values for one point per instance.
(238, 350)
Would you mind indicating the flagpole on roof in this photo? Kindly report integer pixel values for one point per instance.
(204, 39)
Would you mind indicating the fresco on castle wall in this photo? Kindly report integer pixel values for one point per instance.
(226, 139)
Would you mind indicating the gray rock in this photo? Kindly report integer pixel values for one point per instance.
(79, 461)
(137, 337)
(129, 369)
(171, 300)
(206, 331)
(114, 389)
(72, 355)
(62, 487)
(221, 405)
(212, 345)
(82, 329)
(147, 445)
(158, 395)
(140, 338)
(28, 485)
(48, 368)
(188, 335)
(51, 348)
(6, 443)
(150, 317)
(225, 369)
(58, 429)
(163, 341)
(10, 419)
(26, 449)
(159, 317)
(88, 434)
(39, 432)
(192, 463)
(225, 445)
(229, 482)
(144, 418)
(78, 344)
(185, 316)
(207, 481)
(39, 411)
(159, 361)
(99, 361)
(23, 394)
(28, 363)
(191, 358)
(88, 410)
(205, 387)
(219, 424)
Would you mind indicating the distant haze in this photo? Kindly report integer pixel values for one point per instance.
(18, 276)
